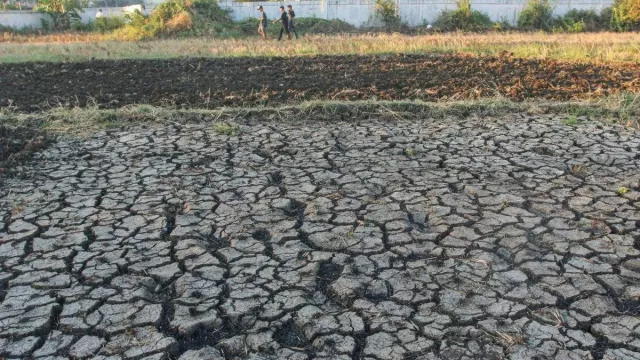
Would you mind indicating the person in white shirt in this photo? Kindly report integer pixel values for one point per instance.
(262, 22)
(99, 14)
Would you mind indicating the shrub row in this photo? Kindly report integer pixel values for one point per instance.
(303, 26)
(205, 17)
(538, 15)
(196, 17)
(196, 20)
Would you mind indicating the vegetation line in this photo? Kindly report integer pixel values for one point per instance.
(621, 109)
(201, 28)
(584, 47)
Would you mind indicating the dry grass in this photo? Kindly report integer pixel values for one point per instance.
(181, 21)
(587, 47)
(621, 109)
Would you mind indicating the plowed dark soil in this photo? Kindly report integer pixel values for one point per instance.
(209, 83)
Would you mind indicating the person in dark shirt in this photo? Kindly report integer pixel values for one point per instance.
(292, 20)
(262, 25)
(284, 22)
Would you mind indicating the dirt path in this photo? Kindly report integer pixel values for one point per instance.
(231, 82)
(465, 239)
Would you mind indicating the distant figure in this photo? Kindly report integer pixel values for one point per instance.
(99, 14)
(292, 20)
(284, 22)
(262, 24)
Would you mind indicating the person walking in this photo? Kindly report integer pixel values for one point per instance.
(284, 23)
(99, 14)
(292, 20)
(262, 25)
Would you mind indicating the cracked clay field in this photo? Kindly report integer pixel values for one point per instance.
(413, 240)
(464, 237)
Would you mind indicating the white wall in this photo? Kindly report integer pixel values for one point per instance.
(89, 14)
(21, 18)
(413, 12)
(31, 19)
(355, 12)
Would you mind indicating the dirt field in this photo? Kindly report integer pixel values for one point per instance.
(212, 83)
(414, 240)
(478, 237)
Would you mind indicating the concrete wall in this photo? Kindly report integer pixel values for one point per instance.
(355, 12)
(21, 19)
(31, 19)
(413, 12)
(89, 14)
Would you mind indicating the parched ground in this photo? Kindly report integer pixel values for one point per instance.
(210, 83)
(457, 239)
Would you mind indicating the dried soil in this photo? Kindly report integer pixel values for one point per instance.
(210, 83)
(16, 144)
(178, 242)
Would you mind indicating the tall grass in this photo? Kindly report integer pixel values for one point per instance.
(583, 47)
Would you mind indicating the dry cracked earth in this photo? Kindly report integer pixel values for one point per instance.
(457, 239)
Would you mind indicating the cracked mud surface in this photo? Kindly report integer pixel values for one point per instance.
(211, 83)
(457, 239)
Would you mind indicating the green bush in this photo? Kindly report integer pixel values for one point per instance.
(209, 10)
(502, 25)
(78, 25)
(463, 18)
(129, 32)
(46, 25)
(178, 17)
(537, 15)
(136, 19)
(249, 26)
(625, 15)
(8, 6)
(582, 20)
(210, 19)
(605, 16)
(322, 26)
(62, 12)
(108, 23)
(386, 11)
(157, 22)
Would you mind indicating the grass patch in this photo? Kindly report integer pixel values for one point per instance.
(621, 109)
(581, 47)
(410, 152)
(570, 121)
(623, 190)
(579, 170)
(226, 129)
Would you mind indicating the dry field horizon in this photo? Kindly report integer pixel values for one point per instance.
(603, 47)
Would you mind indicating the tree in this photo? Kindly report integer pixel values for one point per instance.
(8, 5)
(537, 15)
(62, 12)
(626, 15)
(386, 11)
